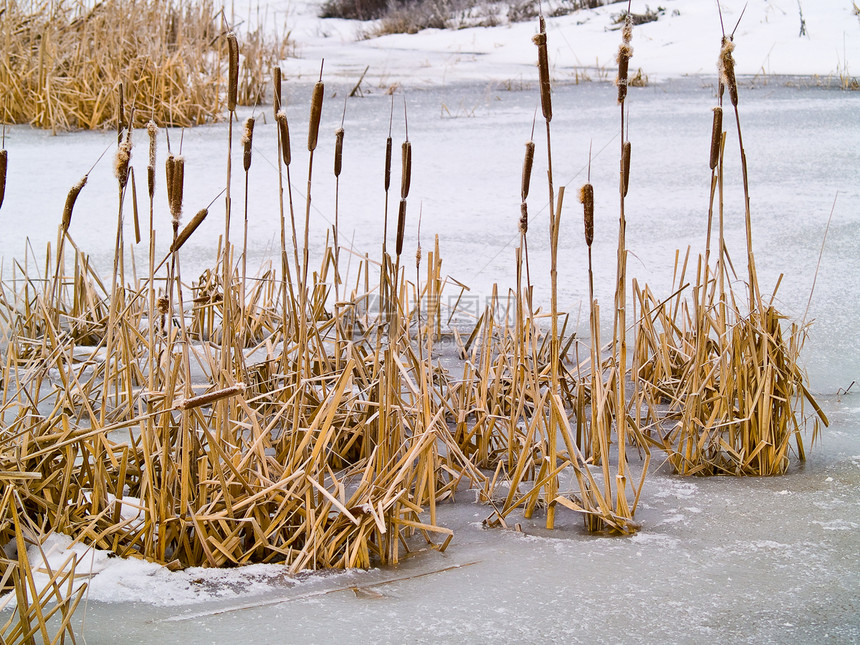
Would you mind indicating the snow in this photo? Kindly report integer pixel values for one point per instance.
(683, 41)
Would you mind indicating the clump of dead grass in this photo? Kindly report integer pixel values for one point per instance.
(62, 62)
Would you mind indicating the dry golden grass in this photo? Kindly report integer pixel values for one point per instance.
(62, 62)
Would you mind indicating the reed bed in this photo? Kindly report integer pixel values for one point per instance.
(720, 365)
(62, 62)
(306, 416)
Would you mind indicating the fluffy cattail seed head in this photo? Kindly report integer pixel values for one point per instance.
(539, 39)
(123, 156)
(401, 226)
(625, 167)
(152, 131)
(524, 218)
(727, 69)
(387, 164)
(176, 193)
(4, 160)
(316, 113)
(276, 95)
(716, 136)
(527, 169)
(338, 151)
(232, 71)
(247, 140)
(406, 169)
(70, 203)
(284, 135)
(418, 256)
(627, 29)
(586, 198)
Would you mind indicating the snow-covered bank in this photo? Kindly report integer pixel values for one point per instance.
(683, 41)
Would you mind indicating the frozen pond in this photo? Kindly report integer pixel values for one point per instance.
(747, 560)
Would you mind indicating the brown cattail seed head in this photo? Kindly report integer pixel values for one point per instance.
(70, 202)
(152, 131)
(539, 39)
(176, 193)
(338, 151)
(716, 136)
(4, 160)
(406, 169)
(120, 112)
(418, 256)
(625, 52)
(527, 169)
(169, 169)
(401, 226)
(232, 71)
(316, 113)
(123, 156)
(586, 198)
(625, 167)
(247, 140)
(387, 164)
(284, 135)
(276, 98)
(163, 305)
(524, 218)
(727, 69)
(188, 230)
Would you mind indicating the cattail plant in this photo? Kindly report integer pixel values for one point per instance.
(338, 166)
(4, 160)
(71, 198)
(247, 144)
(276, 93)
